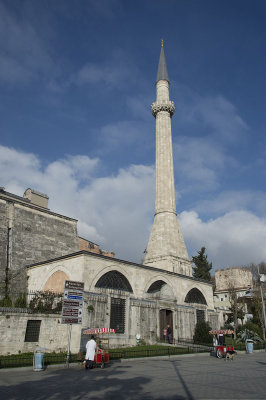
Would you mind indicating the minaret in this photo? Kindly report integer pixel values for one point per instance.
(166, 248)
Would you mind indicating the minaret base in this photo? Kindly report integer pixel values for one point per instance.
(170, 263)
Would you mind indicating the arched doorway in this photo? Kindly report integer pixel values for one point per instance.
(166, 318)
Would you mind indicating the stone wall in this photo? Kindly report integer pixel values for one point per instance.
(53, 335)
(236, 277)
(35, 235)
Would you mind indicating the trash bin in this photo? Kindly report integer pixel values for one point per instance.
(249, 346)
(38, 357)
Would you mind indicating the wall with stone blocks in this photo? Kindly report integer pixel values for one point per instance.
(35, 235)
(143, 321)
(235, 277)
(53, 335)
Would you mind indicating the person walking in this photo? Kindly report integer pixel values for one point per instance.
(169, 334)
(90, 352)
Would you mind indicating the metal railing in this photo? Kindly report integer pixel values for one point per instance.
(45, 302)
(21, 360)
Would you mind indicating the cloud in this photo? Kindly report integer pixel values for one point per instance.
(24, 54)
(115, 72)
(232, 200)
(114, 211)
(237, 238)
(197, 163)
(209, 128)
(214, 116)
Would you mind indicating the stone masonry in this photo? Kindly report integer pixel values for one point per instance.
(166, 248)
(30, 233)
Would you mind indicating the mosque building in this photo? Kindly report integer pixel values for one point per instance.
(139, 299)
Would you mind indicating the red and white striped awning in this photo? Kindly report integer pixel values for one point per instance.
(93, 331)
(221, 331)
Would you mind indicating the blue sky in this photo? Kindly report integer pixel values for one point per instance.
(76, 83)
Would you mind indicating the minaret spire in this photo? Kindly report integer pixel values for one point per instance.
(166, 248)
(162, 73)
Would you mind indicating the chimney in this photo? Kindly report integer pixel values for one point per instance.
(36, 198)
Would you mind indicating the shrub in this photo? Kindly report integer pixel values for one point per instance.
(6, 302)
(245, 334)
(21, 301)
(201, 334)
(250, 326)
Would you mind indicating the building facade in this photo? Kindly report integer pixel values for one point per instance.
(236, 280)
(137, 300)
(134, 299)
(30, 232)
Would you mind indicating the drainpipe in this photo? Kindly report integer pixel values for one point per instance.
(8, 245)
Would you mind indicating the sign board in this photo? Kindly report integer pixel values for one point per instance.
(74, 285)
(70, 320)
(72, 302)
(262, 278)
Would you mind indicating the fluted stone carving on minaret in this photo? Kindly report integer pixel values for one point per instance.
(166, 248)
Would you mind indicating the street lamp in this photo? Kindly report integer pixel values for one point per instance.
(262, 278)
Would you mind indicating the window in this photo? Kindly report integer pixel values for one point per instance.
(222, 299)
(114, 280)
(200, 314)
(195, 296)
(32, 331)
(117, 318)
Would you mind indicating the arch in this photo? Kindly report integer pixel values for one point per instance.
(160, 289)
(156, 286)
(56, 282)
(195, 296)
(114, 280)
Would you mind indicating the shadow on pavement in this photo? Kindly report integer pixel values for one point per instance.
(73, 383)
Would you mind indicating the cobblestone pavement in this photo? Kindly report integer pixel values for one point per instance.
(179, 378)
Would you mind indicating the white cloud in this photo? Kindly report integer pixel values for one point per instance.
(234, 239)
(115, 72)
(215, 116)
(24, 54)
(233, 200)
(114, 211)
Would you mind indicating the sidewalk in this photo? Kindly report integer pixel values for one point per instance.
(192, 377)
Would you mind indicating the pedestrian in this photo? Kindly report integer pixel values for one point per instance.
(90, 352)
(221, 340)
(215, 340)
(169, 334)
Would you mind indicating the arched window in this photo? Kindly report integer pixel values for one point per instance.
(195, 296)
(156, 286)
(114, 280)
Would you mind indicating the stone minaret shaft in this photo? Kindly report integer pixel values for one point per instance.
(166, 248)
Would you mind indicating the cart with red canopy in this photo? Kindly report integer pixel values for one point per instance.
(102, 339)
(221, 349)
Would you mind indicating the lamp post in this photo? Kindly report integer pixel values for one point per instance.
(262, 278)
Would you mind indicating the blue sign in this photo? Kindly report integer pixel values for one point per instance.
(75, 297)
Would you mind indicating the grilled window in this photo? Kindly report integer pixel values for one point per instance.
(156, 286)
(32, 331)
(195, 296)
(114, 280)
(200, 315)
(117, 319)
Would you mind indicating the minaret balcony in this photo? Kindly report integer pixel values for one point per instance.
(163, 106)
